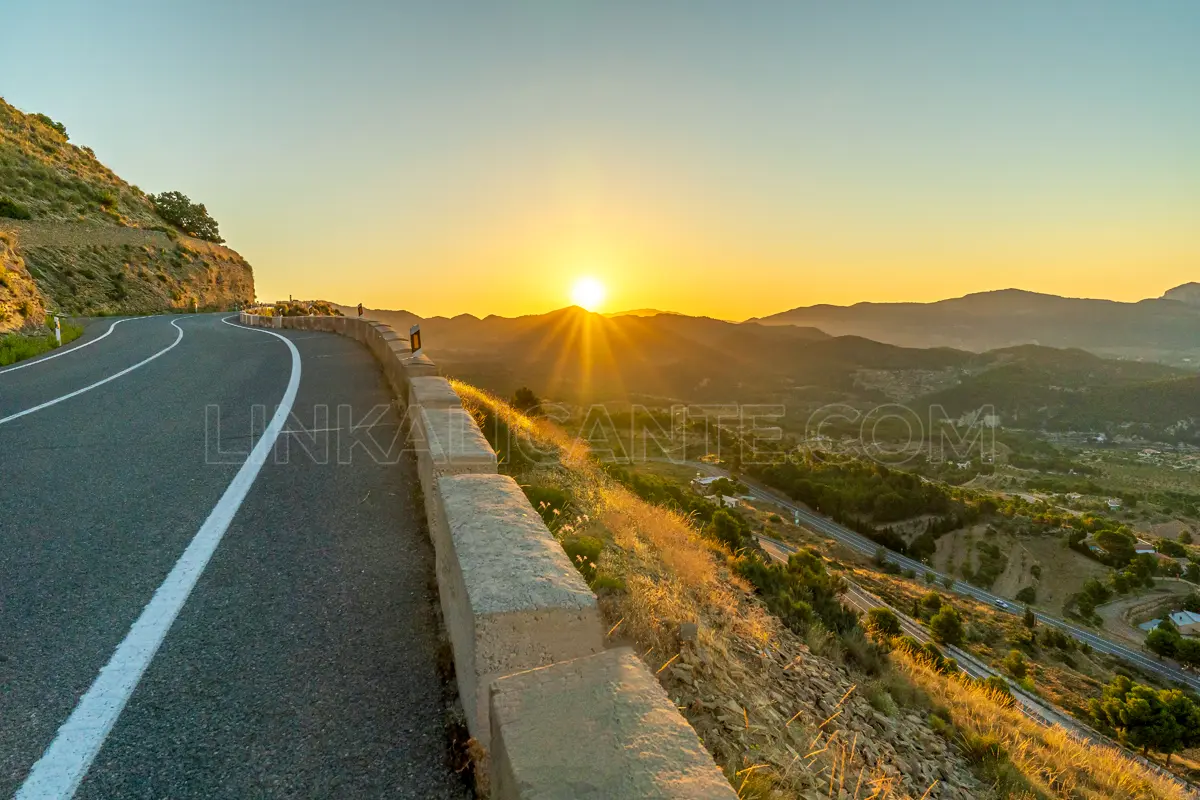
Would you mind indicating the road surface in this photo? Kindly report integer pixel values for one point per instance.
(187, 613)
(858, 542)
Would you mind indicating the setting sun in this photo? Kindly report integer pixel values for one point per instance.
(588, 293)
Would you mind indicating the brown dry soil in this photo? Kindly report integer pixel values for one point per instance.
(1063, 571)
(82, 269)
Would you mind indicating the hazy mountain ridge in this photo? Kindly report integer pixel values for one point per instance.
(1165, 329)
(574, 355)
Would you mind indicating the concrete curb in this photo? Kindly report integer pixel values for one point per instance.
(563, 718)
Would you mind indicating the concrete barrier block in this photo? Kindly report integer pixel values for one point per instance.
(418, 366)
(510, 597)
(432, 392)
(633, 743)
(448, 442)
(382, 341)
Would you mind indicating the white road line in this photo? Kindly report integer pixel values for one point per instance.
(58, 772)
(67, 351)
(112, 377)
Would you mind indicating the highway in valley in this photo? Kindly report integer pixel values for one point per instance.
(215, 580)
(858, 542)
(1035, 708)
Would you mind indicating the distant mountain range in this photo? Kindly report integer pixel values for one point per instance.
(1165, 329)
(578, 356)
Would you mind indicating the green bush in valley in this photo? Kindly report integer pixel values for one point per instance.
(13, 210)
(799, 592)
(726, 528)
(883, 621)
(946, 626)
(1015, 664)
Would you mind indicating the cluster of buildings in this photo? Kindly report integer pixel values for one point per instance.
(1188, 623)
(703, 485)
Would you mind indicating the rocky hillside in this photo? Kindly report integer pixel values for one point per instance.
(76, 239)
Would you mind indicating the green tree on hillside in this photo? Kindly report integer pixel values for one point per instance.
(191, 218)
(526, 401)
(1167, 721)
(725, 528)
(946, 626)
(50, 123)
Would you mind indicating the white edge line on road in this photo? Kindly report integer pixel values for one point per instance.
(58, 772)
(67, 351)
(112, 377)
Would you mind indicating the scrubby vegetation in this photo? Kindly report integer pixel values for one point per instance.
(16, 347)
(191, 218)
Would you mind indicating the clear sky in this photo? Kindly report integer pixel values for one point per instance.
(730, 159)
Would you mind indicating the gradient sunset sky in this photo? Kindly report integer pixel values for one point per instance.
(728, 159)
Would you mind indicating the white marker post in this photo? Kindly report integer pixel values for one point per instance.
(58, 329)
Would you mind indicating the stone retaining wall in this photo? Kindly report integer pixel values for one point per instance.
(560, 716)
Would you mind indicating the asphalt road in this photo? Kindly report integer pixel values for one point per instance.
(862, 544)
(179, 619)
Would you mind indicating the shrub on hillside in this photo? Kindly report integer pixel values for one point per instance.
(48, 122)
(946, 626)
(13, 210)
(191, 218)
(800, 592)
(883, 622)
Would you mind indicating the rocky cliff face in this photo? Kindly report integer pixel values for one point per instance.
(78, 240)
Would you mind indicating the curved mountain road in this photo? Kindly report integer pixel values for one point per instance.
(198, 603)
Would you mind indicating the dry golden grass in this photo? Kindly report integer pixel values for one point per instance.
(671, 574)
(1054, 763)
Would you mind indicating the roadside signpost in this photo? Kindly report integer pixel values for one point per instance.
(414, 339)
(58, 329)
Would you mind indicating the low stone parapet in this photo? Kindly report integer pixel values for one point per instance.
(562, 717)
(595, 728)
(510, 597)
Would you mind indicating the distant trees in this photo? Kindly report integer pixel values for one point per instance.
(1029, 618)
(1166, 642)
(526, 401)
(1171, 548)
(191, 218)
(1165, 720)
